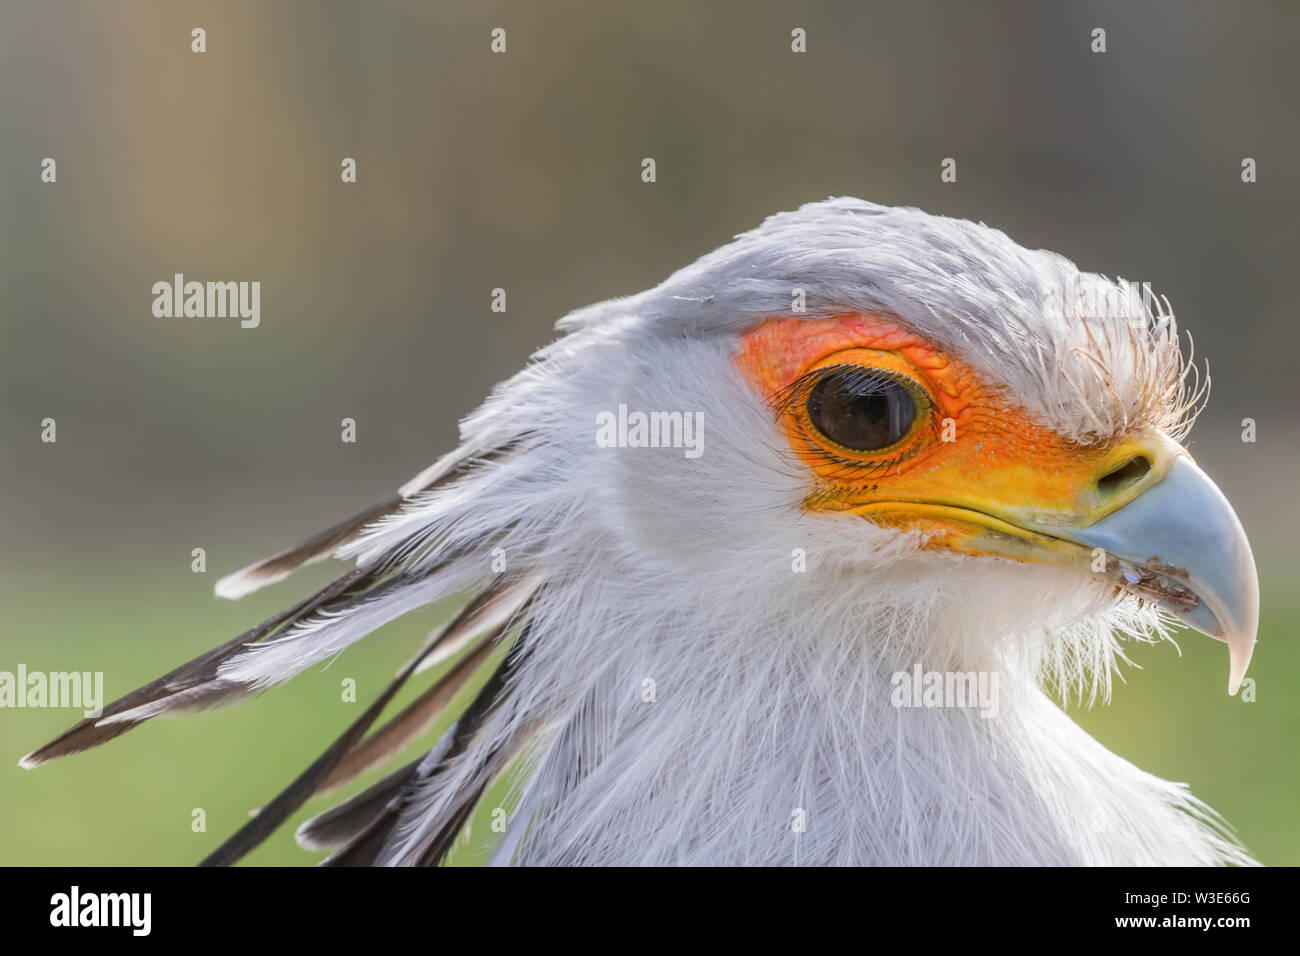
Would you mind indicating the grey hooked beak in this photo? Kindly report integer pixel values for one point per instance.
(1181, 544)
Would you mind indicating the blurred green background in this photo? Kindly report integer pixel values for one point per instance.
(521, 171)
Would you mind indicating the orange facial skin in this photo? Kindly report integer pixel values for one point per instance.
(973, 464)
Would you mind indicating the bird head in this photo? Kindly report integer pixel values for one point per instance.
(930, 414)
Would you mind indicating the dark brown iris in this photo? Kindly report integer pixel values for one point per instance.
(861, 409)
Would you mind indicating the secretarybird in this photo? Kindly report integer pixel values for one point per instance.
(788, 552)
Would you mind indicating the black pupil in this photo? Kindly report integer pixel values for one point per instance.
(861, 409)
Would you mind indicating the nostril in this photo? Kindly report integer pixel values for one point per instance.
(1123, 476)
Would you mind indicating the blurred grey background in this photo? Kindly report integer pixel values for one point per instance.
(522, 171)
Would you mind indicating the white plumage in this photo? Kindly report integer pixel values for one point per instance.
(770, 737)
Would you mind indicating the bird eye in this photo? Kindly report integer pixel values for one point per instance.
(861, 408)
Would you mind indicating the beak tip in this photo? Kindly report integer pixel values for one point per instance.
(1239, 654)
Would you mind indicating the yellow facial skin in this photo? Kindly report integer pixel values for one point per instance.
(974, 473)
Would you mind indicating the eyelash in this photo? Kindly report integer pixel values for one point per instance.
(791, 402)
